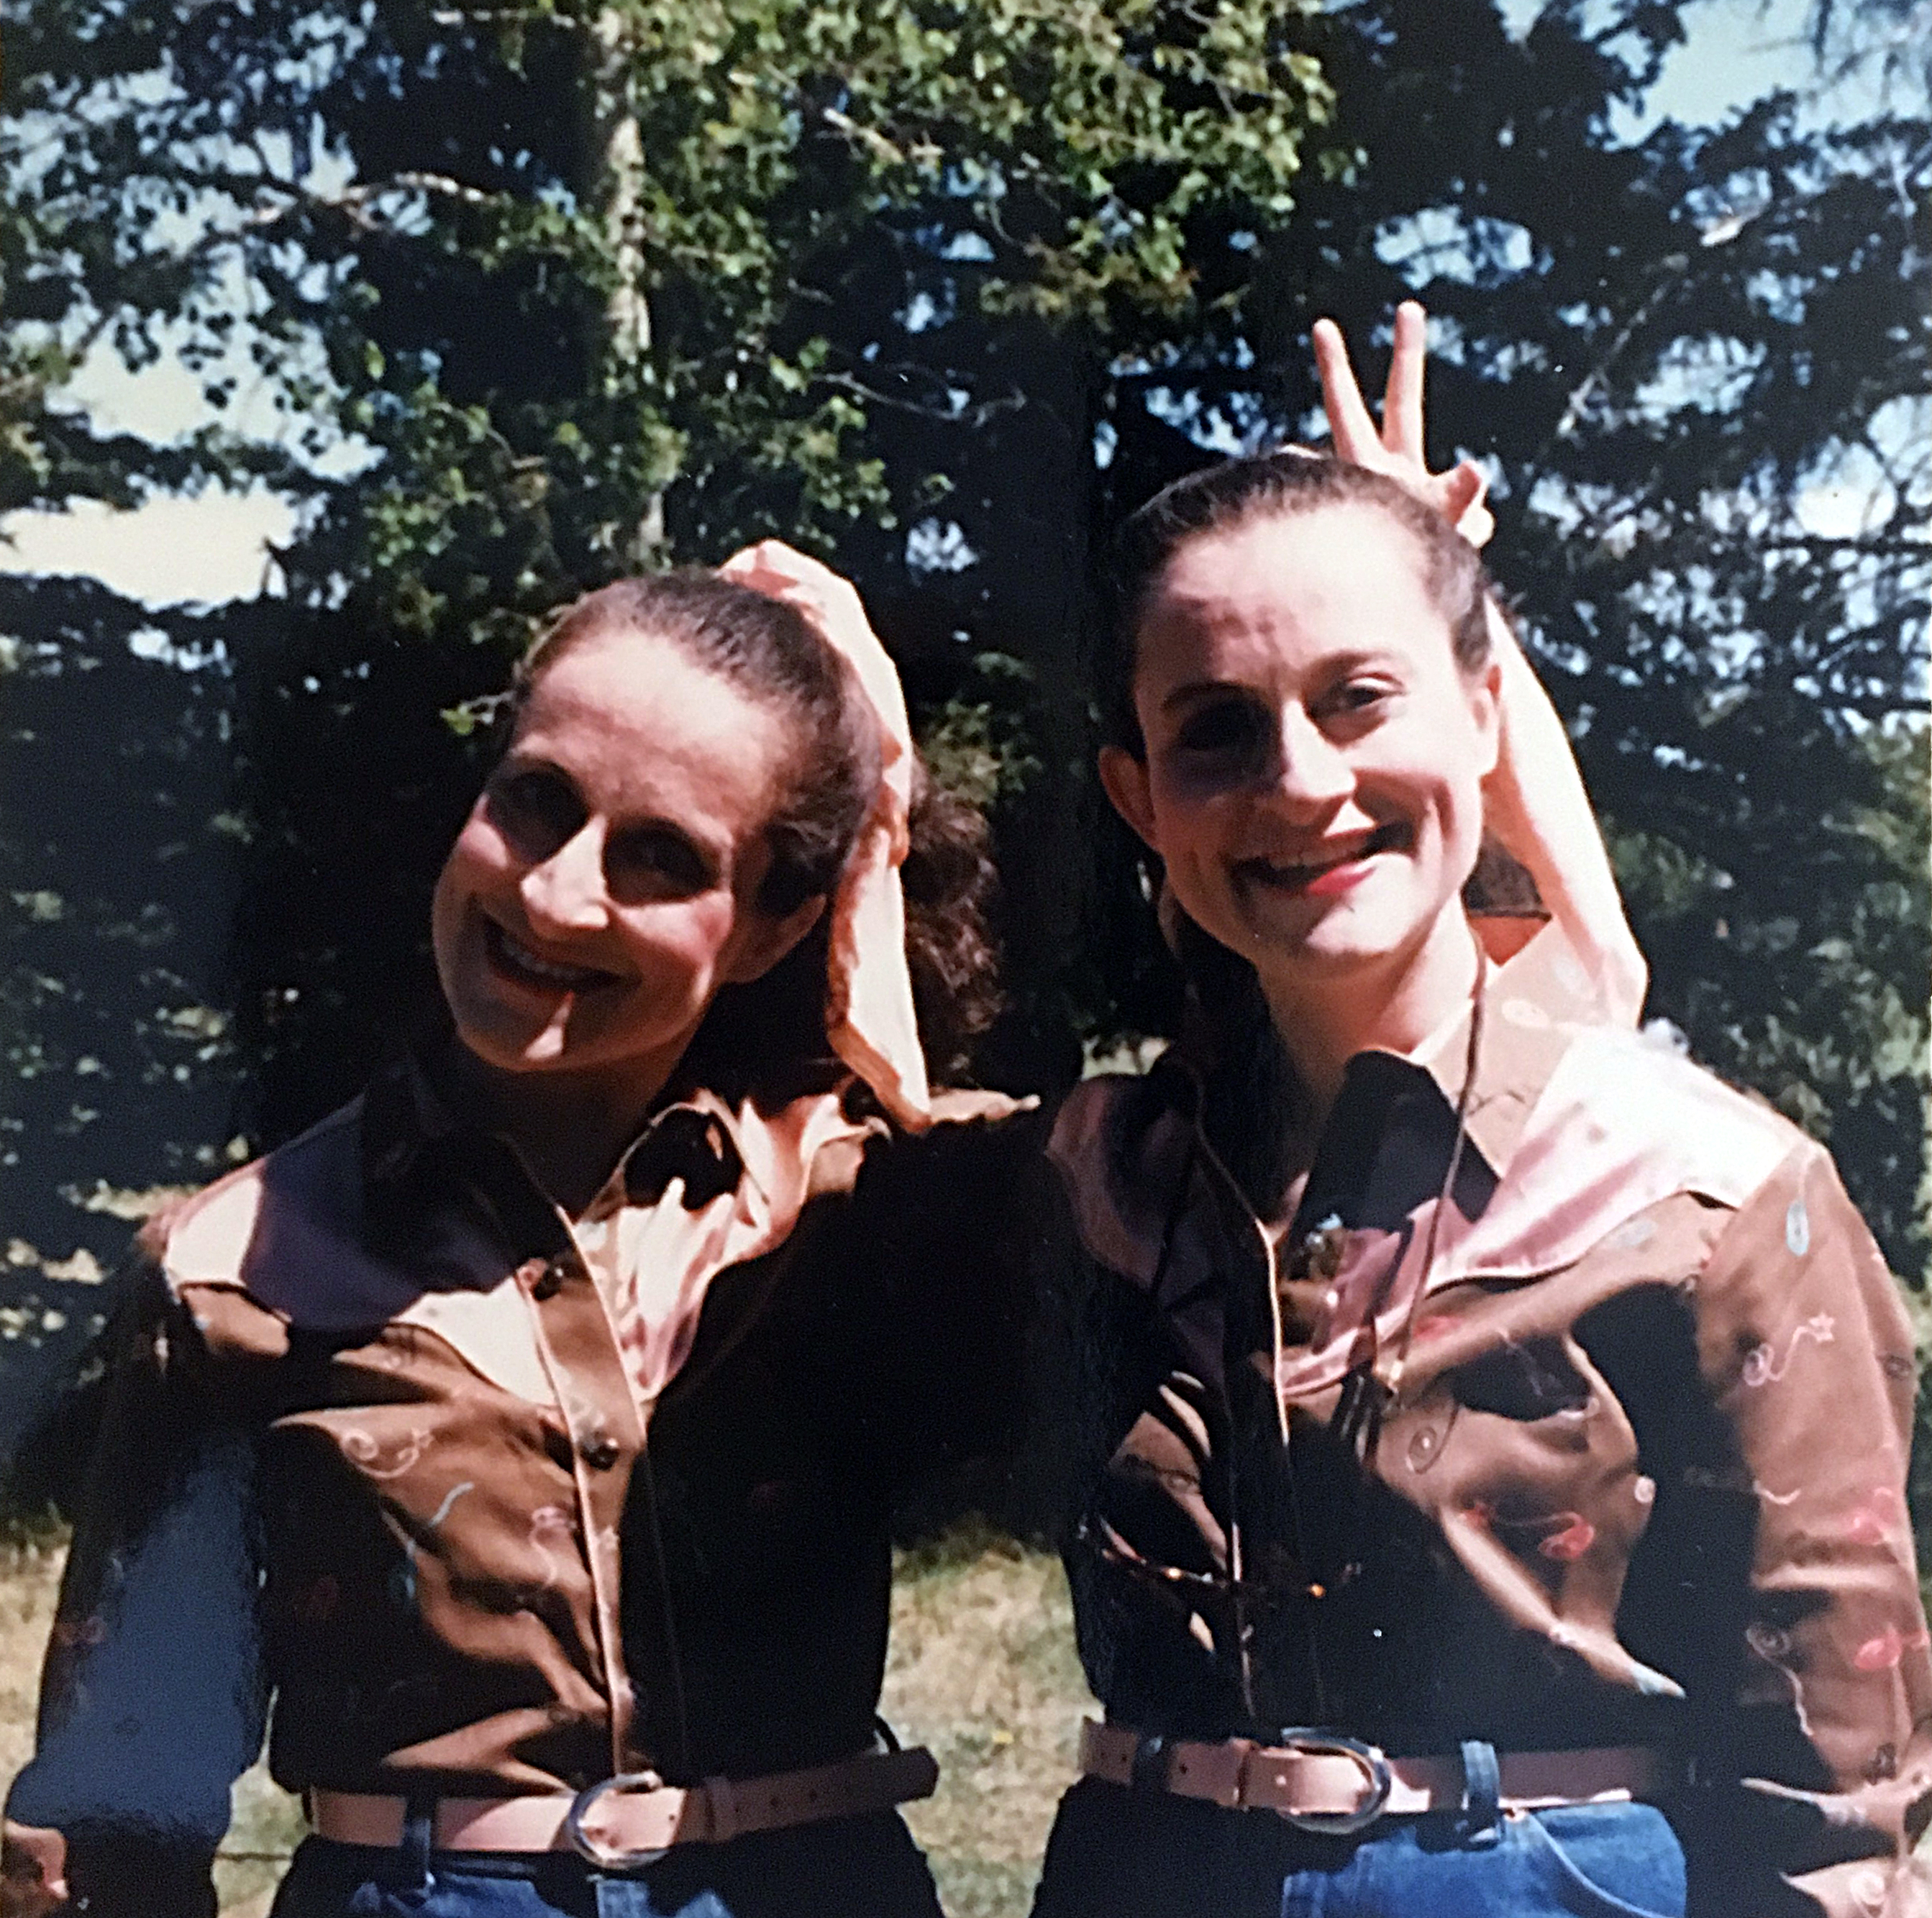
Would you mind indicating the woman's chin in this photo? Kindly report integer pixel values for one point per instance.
(1329, 959)
(1291, 929)
(509, 1045)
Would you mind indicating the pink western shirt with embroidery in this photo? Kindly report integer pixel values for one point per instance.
(1643, 1480)
(495, 1503)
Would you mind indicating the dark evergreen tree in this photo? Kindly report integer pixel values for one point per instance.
(939, 290)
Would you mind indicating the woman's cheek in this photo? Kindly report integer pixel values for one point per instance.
(1195, 871)
(1171, 840)
(467, 868)
(1458, 815)
(480, 857)
(691, 937)
(1197, 779)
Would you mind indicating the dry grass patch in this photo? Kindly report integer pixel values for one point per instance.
(30, 1569)
(982, 1669)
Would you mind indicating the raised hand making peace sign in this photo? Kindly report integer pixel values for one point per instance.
(1397, 448)
(1535, 804)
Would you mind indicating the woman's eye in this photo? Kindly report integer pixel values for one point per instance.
(1228, 726)
(656, 861)
(1354, 697)
(536, 810)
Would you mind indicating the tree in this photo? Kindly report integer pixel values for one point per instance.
(444, 227)
(530, 287)
(1694, 359)
(116, 838)
(943, 289)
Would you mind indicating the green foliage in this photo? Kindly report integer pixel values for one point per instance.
(1812, 1000)
(540, 262)
(1698, 362)
(980, 748)
(941, 288)
(540, 289)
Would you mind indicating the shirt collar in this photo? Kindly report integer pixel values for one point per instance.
(1533, 1002)
(1128, 1147)
(416, 1152)
(1392, 1127)
(1390, 1141)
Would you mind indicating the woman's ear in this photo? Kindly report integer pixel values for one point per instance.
(765, 940)
(1486, 702)
(1125, 780)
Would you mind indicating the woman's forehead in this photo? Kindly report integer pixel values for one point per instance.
(625, 677)
(1281, 588)
(633, 710)
(1270, 555)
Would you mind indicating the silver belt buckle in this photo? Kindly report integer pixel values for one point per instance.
(1377, 1778)
(609, 1858)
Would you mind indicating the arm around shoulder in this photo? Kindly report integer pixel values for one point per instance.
(946, 1222)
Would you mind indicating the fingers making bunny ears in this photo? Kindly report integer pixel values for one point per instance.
(869, 1015)
(1397, 447)
(1534, 800)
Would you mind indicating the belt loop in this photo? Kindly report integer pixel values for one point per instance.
(720, 1805)
(418, 1841)
(1482, 1793)
(1151, 1769)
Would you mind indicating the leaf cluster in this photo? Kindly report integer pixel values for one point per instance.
(507, 273)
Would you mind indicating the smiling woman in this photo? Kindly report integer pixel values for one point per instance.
(590, 907)
(531, 1429)
(1491, 1431)
(629, 857)
(1316, 708)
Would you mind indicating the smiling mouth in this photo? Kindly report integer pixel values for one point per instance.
(519, 964)
(1323, 875)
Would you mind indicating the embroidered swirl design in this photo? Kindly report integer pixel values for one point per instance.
(363, 1450)
(1762, 1365)
(552, 1535)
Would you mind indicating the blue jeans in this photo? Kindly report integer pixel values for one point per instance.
(1118, 1853)
(865, 1867)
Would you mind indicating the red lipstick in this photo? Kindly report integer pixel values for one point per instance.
(1335, 880)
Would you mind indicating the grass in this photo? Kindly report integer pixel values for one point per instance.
(982, 1670)
(29, 1577)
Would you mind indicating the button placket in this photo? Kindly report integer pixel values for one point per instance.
(597, 1448)
(578, 1346)
(1320, 1253)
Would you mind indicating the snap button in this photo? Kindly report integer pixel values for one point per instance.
(549, 1282)
(1319, 1254)
(599, 1450)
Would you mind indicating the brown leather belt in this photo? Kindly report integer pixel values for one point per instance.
(631, 1820)
(1326, 1782)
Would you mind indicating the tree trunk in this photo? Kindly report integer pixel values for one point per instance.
(627, 316)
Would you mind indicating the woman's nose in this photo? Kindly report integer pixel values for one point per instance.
(1310, 772)
(566, 892)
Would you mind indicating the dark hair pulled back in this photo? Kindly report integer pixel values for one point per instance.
(1271, 486)
(770, 653)
(1254, 1105)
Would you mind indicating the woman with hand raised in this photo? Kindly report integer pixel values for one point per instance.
(1491, 1430)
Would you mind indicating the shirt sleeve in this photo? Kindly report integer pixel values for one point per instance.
(153, 1700)
(949, 1223)
(1804, 1344)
